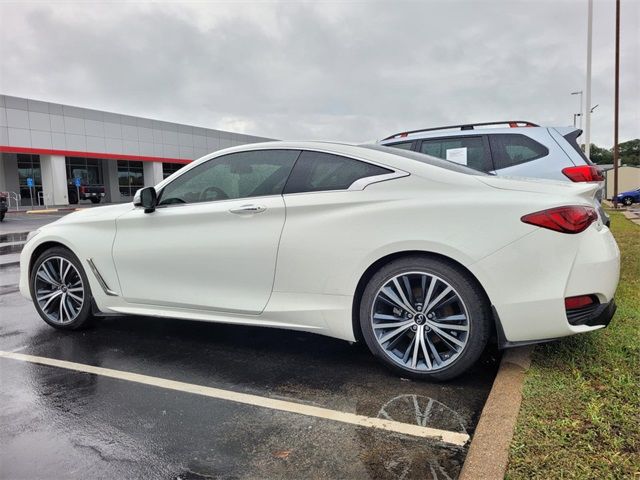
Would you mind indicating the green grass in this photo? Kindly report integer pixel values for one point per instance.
(580, 414)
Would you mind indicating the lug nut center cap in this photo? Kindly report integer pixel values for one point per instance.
(420, 319)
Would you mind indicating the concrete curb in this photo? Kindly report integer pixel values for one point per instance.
(634, 216)
(46, 210)
(489, 451)
(51, 210)
(9, 265)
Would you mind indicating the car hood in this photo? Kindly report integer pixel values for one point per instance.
(587, 191)
(96, 213)
(629, 192)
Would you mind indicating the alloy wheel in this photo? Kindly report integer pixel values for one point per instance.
(420, 321)
(59, 290)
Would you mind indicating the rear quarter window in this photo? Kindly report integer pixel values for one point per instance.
(512, 149)
(318, 171)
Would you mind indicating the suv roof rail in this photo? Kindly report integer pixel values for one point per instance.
(466, 126)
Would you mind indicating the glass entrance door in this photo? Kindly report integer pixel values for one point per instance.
(29, 167)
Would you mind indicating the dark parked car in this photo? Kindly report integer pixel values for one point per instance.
(630, 197)
(3, 206)
(85, 192)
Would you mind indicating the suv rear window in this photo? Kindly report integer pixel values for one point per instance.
(419, 157)
(467, 150)
(511, 149)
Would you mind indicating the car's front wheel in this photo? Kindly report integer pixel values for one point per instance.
(424, 318)
(627, 201)
(60, 289)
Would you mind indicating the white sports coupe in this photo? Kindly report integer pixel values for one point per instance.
(422, 259)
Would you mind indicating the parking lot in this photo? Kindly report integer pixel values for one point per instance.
(65, 422)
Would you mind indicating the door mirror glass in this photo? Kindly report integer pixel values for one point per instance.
(146, 198)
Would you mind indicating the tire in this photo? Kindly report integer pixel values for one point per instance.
(95, 200)
(73, 198)
(47, 297)
(465, 299)
(627, 201)
(1, 216)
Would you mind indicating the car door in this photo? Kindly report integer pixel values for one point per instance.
(211, 243)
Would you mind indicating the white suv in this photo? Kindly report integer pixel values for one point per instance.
(510, 148)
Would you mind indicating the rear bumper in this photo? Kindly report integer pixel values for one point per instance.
(600, 317)
(528, 281)
(597, 316)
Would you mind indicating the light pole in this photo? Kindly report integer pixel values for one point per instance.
(587, 123)
(578, 114)
(616, 107)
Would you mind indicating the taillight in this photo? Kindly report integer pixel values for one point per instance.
(571, 219)
(583, 173)
(82, 189)
(572, 303)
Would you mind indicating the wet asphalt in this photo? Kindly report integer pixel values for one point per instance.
(57, 423)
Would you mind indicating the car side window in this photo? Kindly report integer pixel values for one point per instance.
(469, 151)
(237, 175)
(513, 148)
(316, 171)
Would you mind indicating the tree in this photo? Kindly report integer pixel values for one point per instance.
(629, 152)
(601, 156)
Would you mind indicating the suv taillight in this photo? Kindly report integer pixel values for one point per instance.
(571, 219)
(583, 173)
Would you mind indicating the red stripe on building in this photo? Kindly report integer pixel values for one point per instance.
(106, 156)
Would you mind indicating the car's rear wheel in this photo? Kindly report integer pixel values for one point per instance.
(60, 289)
(424, 318)
(95, 200)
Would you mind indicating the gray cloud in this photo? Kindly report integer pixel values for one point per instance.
(323, 70)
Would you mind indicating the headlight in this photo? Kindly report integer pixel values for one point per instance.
(32, 234)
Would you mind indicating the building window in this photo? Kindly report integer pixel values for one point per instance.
(29, 167)
(130, 177)
(89, 170)
(170, 168)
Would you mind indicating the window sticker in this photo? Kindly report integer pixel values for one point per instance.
(457, 155)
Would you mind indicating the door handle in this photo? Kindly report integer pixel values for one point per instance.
(248, 209)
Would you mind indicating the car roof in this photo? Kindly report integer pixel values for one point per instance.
(457, 132)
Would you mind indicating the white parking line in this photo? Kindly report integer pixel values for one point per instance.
(453, 438)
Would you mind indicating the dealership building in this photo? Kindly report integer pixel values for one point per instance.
(47, 150)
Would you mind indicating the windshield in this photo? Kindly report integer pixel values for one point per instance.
(428, 159)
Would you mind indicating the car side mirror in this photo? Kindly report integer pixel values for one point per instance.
(146, 198)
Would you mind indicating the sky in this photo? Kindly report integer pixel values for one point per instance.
(325, 70)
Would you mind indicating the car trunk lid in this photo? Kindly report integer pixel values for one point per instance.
(586, 191)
